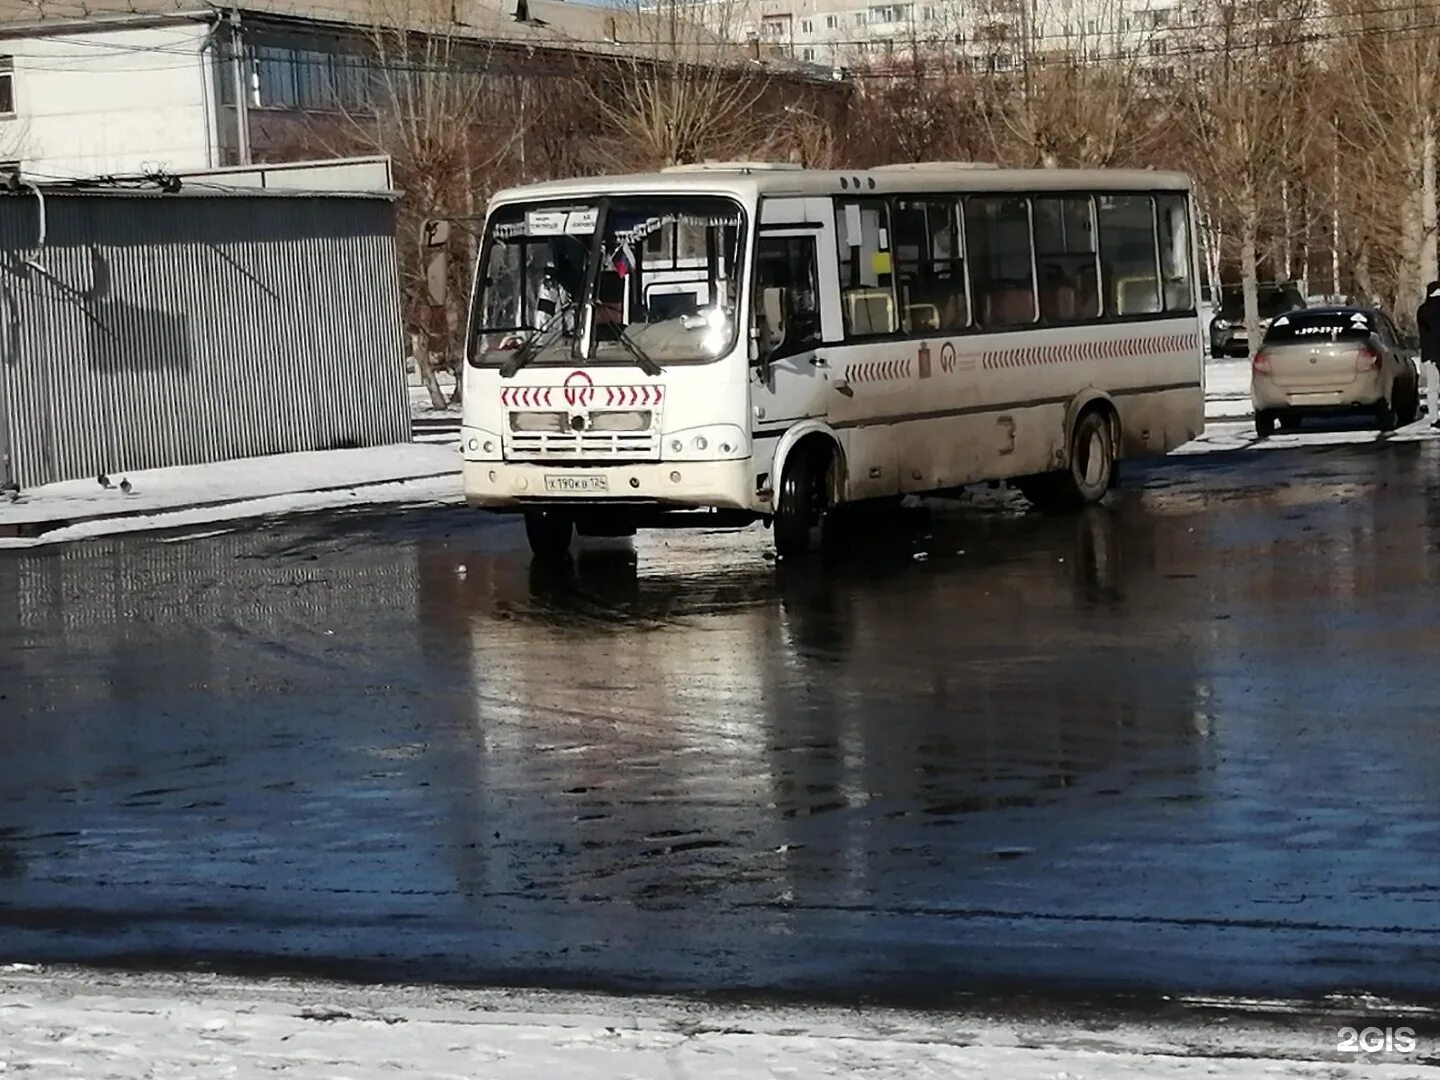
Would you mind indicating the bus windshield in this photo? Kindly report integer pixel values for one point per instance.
(624, 279)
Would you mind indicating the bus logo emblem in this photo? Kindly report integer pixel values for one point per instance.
(579, 390)
(947, 358)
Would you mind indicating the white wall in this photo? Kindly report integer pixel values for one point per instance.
(112, 101)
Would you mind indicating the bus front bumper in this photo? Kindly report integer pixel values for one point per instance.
(681, 485)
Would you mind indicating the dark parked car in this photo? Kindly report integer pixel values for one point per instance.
(1227, 329)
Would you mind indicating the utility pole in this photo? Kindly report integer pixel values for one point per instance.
(238, 69)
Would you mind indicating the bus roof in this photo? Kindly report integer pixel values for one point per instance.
(751, 180)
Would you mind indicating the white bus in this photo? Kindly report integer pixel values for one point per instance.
(732, 342)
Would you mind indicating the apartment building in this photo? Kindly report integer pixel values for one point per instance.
(986, 34)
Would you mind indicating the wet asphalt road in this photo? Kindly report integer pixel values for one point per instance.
(1184, 743)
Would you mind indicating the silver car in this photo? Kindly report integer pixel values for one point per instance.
(1328, 361)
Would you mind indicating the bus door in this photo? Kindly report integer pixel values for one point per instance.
(794, 259)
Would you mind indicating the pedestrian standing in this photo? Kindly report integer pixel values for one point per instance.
(1427, 319)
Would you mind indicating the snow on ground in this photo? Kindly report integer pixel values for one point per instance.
(1240, 435)
(421, 405)
(107, 1027)
(1227, 389)
(247, 487)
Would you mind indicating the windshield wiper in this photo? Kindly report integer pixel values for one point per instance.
(647, 365)
(541, 340)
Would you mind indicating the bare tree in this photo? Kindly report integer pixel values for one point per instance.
(441, 103)
(682, 91)
(1085, 94)
(1389, 68)
(1245, 97)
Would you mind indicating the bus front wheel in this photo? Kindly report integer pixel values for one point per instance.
(804, 498)
(550, 534)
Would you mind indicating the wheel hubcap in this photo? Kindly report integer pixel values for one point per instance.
(1092, 464)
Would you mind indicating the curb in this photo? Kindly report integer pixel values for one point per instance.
(29, 530)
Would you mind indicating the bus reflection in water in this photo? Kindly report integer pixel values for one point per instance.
(824, 715)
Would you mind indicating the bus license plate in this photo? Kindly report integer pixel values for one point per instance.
(571, 485)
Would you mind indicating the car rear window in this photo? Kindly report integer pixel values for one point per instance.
(1321, 326)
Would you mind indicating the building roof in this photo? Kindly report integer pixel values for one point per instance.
(549, 24)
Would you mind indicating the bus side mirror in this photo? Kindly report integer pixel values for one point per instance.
(771, 319)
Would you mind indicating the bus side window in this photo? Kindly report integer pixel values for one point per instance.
(1002, 276)
(1128, 254)
(867, 295)
(1175, 267)
(1065, 259)
(929, 266)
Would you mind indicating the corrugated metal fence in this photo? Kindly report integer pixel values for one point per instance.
(152, 330)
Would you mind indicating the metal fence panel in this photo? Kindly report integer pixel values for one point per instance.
(154, 330)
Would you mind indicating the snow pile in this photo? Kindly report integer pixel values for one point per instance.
(1227, 390)
(247, 487)
(76, 1026)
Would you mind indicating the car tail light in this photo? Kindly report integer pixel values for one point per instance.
(1261, 364)
(1367, 359)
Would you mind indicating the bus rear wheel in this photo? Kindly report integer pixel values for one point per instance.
(1090, 473)
(550, 534)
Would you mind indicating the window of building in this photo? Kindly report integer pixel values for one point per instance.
(1128, 255)
(806, 26)
(807, 55)
(859, 18)
(1090, 26)
(789, 263)
(831, 21)
(929, 266)
(7, 86)
(1157, 47)
(1065, 264)
(1002, 277)
(275, 86)
(927, 13)
(867, 294)
(899, 13)
(1160, 17)
(1175, 268)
